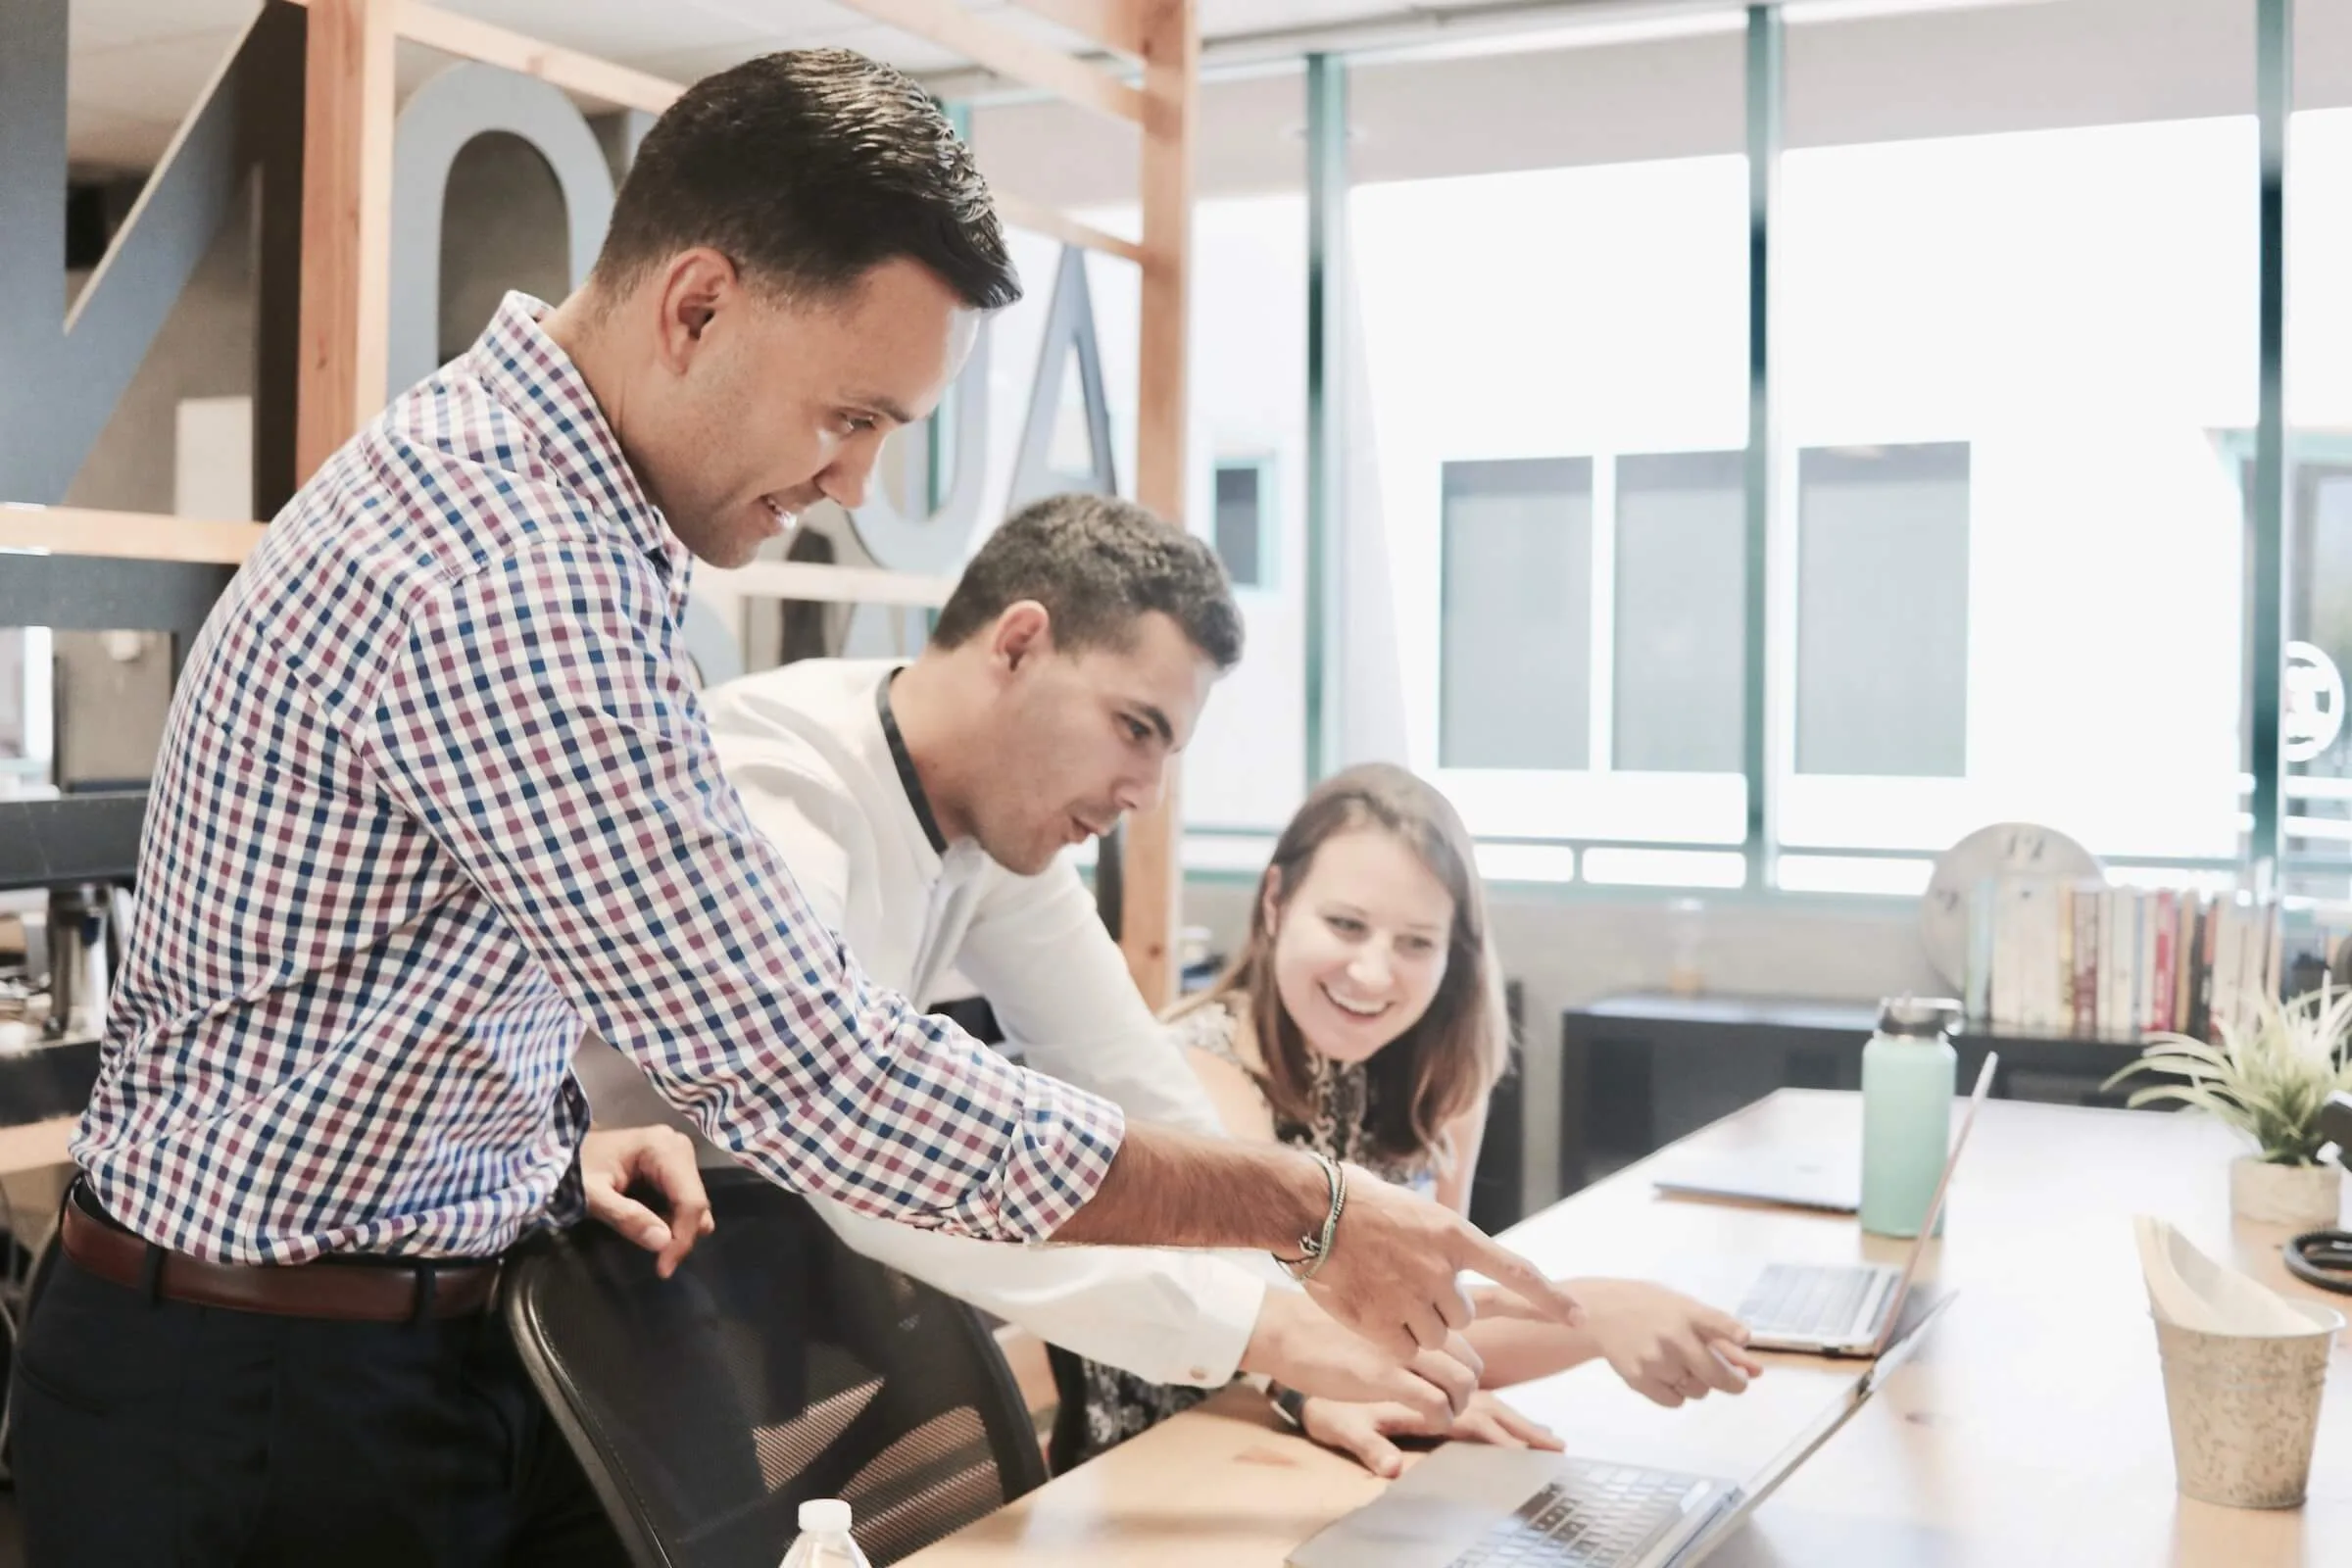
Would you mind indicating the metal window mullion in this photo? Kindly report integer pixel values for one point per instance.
(1766, 82)
(1326, 393)
(2273, 51)
(1601, 697)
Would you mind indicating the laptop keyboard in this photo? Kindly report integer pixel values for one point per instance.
(1806, 1299)
(1594, 1516)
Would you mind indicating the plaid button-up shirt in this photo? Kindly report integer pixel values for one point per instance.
(437, 794)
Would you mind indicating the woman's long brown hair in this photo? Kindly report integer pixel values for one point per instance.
(1450, 1057)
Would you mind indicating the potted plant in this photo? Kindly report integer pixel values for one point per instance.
(2267, 1079)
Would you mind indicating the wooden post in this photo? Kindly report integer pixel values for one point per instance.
(1152, 886)
(346, 214)
(269, 129)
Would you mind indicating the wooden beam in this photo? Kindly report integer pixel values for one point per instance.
(150, 536)
(1152, 886)
(1021, 213)
(1008, 53)
(1115, 25)
(567, 68)
(832, 585)
(129, 535)
(346, 217)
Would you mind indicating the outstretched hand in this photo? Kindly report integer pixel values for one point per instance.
(1392, 1273)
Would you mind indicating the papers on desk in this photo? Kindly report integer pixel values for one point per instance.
(2191, 1291)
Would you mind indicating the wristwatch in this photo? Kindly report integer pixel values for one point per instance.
(1289, 1404)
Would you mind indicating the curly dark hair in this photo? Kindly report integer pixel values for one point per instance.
(1098, 564)
(808, 168)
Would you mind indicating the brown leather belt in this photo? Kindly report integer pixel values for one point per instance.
(349, 1292)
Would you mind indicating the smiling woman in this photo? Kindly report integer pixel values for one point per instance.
(1364, 1020)
(1368, 948)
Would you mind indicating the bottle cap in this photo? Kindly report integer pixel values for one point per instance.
(825, 1514)
(1917, 1017)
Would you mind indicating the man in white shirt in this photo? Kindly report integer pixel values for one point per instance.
(924, 811)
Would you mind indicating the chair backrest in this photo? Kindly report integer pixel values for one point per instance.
(777, 1365)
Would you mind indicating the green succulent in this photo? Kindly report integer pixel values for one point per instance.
(2267, 1078)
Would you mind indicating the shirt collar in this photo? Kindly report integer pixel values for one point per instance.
(903, 760)
(535, 379)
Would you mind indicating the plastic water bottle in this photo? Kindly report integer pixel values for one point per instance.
(824, 1539)
(1909, 1070)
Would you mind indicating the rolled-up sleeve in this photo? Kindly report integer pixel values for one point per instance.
(550, 744)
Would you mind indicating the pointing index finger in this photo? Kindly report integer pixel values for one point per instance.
(1541, 1299)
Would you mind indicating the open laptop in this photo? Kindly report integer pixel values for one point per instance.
(1469, 1505)
(1848, 1309)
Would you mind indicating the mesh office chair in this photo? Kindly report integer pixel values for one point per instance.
(777, 1365)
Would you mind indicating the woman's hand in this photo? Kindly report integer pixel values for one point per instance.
(1365, 1430)
(1665, 1346)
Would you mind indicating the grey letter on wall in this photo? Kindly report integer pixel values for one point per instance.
(61, 373)
(1069, 330)
(935, 543)
(462, 103)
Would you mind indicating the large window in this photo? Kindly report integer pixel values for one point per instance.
(2004, 554)
(2017, 580)
(1244, 521)
(1882, 610)
(2319, 402)
(1516, 616)
(1680, 550)
(1555, 372)
(1246, 769)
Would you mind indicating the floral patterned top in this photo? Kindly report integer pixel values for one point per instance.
(1119, 1404)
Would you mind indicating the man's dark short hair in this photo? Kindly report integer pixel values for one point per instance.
(808, 168)
(1098, 564)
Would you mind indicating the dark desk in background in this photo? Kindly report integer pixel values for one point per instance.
(1642, 1069)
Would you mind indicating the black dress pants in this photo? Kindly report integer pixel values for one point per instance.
(152, 1432)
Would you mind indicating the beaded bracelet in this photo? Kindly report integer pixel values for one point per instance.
(1316, 1250)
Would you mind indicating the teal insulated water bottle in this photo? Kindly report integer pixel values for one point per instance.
(1909, 1071)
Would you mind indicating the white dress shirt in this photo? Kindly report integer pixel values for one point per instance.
(819, 777)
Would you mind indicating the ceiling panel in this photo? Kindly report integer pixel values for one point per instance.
(688, 64)
(781, 21)
(902, 50)
(614, 29)
(1221, 17)
(156, 80)
(141, 63)
(107, 24)
(1015, 18)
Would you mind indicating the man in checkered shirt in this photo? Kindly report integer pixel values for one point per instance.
(437, 794)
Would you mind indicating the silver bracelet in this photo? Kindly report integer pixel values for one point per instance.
(1316, 1250)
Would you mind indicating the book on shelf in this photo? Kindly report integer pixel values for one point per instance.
(2072, 960)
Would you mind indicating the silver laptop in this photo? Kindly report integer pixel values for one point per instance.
(1848, 1309)
(1469, 1505)
(1826, 1179)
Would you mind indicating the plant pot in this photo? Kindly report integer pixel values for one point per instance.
(2308, 1197)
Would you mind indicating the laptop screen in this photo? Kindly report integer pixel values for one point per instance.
(1767, 1481)
(1943, 1184)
